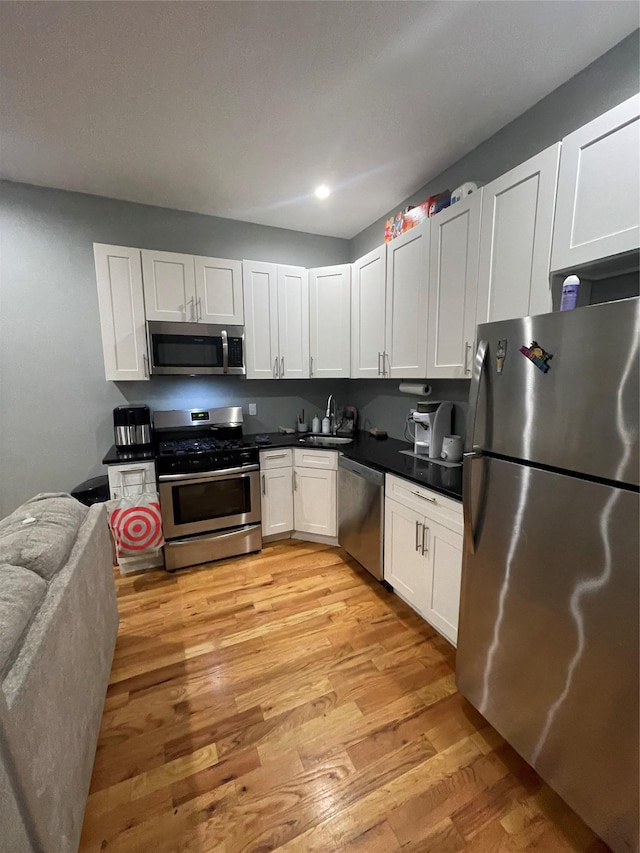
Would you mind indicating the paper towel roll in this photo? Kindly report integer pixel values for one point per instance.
(414, 389)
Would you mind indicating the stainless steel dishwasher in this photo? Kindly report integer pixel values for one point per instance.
(361, 513)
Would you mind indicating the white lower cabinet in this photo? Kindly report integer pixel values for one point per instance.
(314, 501)
(423, 552)
(131, 479)
(299, 491)
(276, 485)
(315, 498)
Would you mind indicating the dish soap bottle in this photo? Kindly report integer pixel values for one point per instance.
(315, 424)
(326, 426)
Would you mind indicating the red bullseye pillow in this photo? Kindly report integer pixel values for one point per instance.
(137, 525)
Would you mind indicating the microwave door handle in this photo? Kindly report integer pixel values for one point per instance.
(225, 351)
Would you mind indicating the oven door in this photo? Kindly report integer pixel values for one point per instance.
(209, 500)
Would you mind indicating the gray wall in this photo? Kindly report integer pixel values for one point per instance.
(608, 81)
(55, 404)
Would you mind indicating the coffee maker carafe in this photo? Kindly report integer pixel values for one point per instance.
(431, 423)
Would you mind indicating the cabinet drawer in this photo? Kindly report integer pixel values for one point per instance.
(131, 479)
(435, 506)
(307, 458)
(278, 458)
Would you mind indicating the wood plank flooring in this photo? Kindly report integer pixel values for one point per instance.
(286, 701)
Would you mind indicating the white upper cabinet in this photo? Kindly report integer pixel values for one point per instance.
(368, 287)
(598, 202)
(219, 291)
(261, 317)
(330, 322)
(453, 280)
(192, 289)
(276, 301)
(293, 322)
(121, 304)
(406, 304)
(169, 286)
(515, 240)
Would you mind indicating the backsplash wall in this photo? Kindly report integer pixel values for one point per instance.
(379, 402)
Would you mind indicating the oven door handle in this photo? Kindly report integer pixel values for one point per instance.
(209, 475)
(225, 351)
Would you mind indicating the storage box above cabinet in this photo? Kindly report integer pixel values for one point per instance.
(192, 289)
(598, 201)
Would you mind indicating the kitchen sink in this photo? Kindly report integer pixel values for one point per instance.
(325, 440)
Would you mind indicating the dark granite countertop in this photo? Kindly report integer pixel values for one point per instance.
(384, 455)
(116, 456)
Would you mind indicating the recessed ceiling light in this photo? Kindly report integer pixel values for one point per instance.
(323, 191)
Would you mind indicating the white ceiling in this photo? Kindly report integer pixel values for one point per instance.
(240, 109)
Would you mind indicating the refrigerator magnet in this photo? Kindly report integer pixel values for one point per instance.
(537, 355)
(501, 354)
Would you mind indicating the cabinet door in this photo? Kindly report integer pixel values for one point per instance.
(368, 284)
(453, 282)
(169, 286)
(330, 322)
(314, 501)
(261, 319)
(443, 550)
(406, 304)
(598, 203)
(121, 306)
(405, 567)
(293, 322)
(132, 479)
(277, 500)
(219, 291)
(516, 225)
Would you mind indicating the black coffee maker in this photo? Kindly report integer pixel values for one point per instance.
(132, 426)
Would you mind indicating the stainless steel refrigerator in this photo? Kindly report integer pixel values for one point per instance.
(548, 636)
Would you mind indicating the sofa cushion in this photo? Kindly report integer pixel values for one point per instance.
(40, 534)
(20, 594)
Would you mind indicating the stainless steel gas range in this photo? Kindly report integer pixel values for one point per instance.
(209, 485)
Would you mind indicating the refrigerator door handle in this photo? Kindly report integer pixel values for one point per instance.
(476, 381)
(467, 500)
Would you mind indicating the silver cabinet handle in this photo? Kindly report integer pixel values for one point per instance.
(199, 309)
(282, 364)
(418, 537)
(264, 485)
(385, 358)
(379, 371)
(275, 368)
(310, 365)
(467, 349)
(275, 455)
(192, 314)
(424, 497)
(145, 364)
(295, 481)
(425, 531)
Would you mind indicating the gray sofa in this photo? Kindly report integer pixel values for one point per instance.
(58, 625)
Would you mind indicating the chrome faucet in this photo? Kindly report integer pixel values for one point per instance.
(332, 418)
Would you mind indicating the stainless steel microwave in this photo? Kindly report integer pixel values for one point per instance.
(189, 349)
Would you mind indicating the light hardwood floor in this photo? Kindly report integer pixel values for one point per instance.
(286, 701)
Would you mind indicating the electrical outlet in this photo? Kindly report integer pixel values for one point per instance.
(253, 409)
